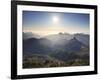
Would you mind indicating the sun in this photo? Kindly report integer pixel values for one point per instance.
(55, 19)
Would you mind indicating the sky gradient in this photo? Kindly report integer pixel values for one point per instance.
(45, 23)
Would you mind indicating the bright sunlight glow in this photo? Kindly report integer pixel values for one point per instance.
(55, 19)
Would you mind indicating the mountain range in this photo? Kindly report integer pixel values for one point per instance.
(61, 46)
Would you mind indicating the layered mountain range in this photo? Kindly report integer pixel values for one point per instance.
(61, 46)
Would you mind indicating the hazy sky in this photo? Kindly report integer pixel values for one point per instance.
(45, 23)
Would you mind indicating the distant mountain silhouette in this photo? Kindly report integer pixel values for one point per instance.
(60, 37)
(84, 38)
(64, 37)
(74, 45)
(27, 35)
